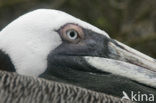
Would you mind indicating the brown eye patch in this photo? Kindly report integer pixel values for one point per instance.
(72, 33)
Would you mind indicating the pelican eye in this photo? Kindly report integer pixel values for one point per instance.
(72, 33)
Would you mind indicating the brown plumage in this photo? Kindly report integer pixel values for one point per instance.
(16, 88)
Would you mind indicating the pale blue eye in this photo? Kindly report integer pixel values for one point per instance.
(72, 34)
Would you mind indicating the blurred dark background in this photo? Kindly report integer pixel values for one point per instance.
(132, 22)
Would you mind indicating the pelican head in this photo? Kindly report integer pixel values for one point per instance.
(55, 45)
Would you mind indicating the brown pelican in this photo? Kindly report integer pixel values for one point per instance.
(57, 46)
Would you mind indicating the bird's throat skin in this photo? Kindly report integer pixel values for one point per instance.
(66, 64)
(74, 70)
